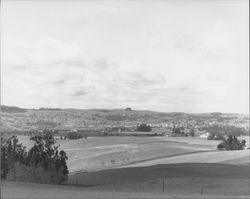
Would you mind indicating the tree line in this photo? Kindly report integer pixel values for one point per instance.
(219, 132)
(42, 163)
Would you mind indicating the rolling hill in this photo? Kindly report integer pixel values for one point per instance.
(182, 181)
(19, 119)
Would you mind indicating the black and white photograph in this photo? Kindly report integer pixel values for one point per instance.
(125, 99)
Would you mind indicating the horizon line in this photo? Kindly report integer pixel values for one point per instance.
(38, 108)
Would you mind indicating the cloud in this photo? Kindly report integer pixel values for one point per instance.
(53, 69)
(102, 63)
(60, 81)
(186, 42)
(80, 93)
(147, 59)
(77, 79)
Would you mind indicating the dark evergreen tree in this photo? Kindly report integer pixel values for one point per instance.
(144, 128)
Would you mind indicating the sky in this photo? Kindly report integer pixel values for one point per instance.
(169, 56)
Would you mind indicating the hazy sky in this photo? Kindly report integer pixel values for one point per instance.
(188, 56)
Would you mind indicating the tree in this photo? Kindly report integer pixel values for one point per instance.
(178, 131)
(144, 128)
(74, 135)
(218, 132)
(220, 146)
(43, 163)
(46, 157)
(11, 152)
(232, 143)
(192, 132)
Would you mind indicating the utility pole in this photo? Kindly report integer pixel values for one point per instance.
(163, 184)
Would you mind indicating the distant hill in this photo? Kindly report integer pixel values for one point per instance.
(15, 118)
(12, 109)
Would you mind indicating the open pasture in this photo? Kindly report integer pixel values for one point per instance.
(187, 179)
(226, 157)
(135, 167)
(100, 153)
(11, 190)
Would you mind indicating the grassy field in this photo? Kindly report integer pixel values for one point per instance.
(99, 153)
(226, 157)
(188, 166)
(11, 190)
(180, 181)
(188, 178)
(144, 167)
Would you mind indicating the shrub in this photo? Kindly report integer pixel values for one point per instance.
(74, 136)
(220, 146)
(232, 143)
(144, 128)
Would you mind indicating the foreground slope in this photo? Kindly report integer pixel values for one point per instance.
(180, 181)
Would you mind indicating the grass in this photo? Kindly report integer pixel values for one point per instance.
(147, 162)
(187, 179)
(100, 153)
(180, 181)
(226, 157)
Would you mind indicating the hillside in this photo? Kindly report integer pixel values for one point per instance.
(12, 109)
(101, 153)
(181, 181)
(136, 167)
(19, 119)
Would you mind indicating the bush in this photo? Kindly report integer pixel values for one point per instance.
(74, 136)
(232, 143)
(43, 163)
(144, 128)
(220, 146)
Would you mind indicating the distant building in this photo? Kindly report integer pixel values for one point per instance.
(128, 109)
(205, 135)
